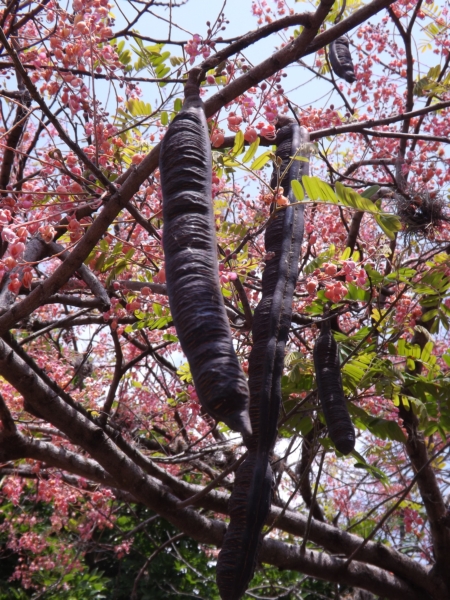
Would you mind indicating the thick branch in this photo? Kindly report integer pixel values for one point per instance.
(330, 568)
(17, 446)
(361, 127)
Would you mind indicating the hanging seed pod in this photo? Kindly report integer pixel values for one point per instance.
(249, 507)
(251, 497)
(331, 393)
(341, 59)
(190, 250)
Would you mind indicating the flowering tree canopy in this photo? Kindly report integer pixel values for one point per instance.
(103, 438)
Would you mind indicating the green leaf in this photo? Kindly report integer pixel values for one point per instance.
(251, 151)
(312, 187)
(406, 349)
(297, 190)
(229, 162)
(164, 118)
(390, 224)
(157, 309)
(239, 142)
(371, 191)
(386, 430)
(374, 471)
(184, 371)
(327, 193)
(169, 337)
(263, 159)
(410, 364)
(351, 198)
(429, 315)
(426, 352)
(357, 293)
(346, 254)
(160, 59)
(402, 274)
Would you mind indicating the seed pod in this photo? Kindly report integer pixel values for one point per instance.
(250, 500)
(193, 285)
(249, 506)
(331, 393)
(272, 318)
(341, 59)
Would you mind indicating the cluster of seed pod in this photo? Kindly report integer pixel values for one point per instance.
(200, 319)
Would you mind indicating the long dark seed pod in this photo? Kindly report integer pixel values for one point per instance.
(251, 497)
(190, 250)
(331, 393)
(341, 59)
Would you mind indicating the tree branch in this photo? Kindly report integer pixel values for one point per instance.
(17, 446)
(86, 275)
(331, 568)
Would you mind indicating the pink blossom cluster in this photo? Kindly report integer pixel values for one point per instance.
(353, 272)
(196, 47)
(225, 275)
(266, 14)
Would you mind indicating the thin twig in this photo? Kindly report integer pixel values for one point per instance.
(308, 524)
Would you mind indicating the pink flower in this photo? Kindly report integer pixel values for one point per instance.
(192, 49)
(234, 121)
(5, 217)
(14, 285)
(47, 233)
(330, 269)
(362, 278)
(250, 135)
(217, 138)
(311, 286)
(268, 131)
(17, 249)
(335, 291)
(8, 235)
(27, 278)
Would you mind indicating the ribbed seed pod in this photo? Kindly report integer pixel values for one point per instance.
(272, 318)
(190, 249)
(249, 507)
(251, 497)
(341, 59)
(331, 393)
